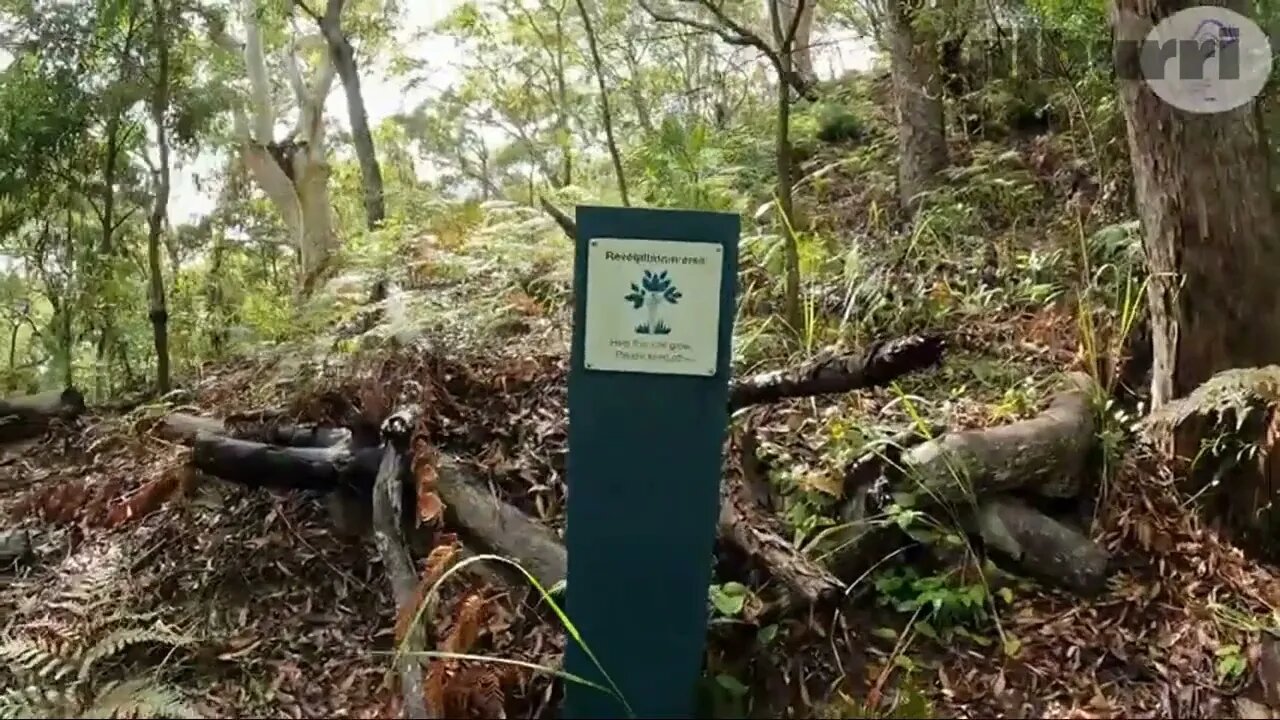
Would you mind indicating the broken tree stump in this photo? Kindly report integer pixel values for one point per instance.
(389, 535)
(29, 415)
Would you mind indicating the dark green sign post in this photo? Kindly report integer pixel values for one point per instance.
(648, 396)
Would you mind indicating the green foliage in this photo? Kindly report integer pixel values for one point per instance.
(911, 703)
(722, 696)
(687, 164)
(55, 680)
(729, 599)
(946, 606)
(836, 124)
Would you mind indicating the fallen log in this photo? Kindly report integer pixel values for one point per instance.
(1040, 546)
(744, 523)
(498, 527)
(1045, 455)
(29, 415)
(389, 535)
(304, 468)
(182, 427)
(882, 363)
(480, 518)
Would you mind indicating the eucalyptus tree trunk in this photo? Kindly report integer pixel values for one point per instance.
(343, 56)
(159, 313)
(1212, 238)
(917, 85)
(294, 172)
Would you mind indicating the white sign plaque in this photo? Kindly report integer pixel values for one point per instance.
(653, 306)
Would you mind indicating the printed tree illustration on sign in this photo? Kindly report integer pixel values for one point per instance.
(653, 290)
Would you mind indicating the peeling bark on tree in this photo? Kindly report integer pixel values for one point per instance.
(1212, 238)
(294, 172)
(29, 415)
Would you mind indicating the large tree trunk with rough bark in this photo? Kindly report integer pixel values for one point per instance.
(1212, 241)
(917, 86)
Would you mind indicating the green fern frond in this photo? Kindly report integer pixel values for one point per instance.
(140, 698)
(1229, 394)
(38, 658)
(120, 639)
(34, 702)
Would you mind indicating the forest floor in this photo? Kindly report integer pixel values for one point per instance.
(251, 605)
(232, 602)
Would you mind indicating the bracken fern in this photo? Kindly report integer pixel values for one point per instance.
(56, 679)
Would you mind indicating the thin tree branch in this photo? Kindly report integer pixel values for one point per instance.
(733, 33)
(304, 8)
(795, 25)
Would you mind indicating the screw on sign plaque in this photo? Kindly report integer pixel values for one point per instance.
(648, 397)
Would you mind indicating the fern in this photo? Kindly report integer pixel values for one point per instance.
(34, 702)
(47, 666)
(119, 640)
(38, 659)
(140, 698)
